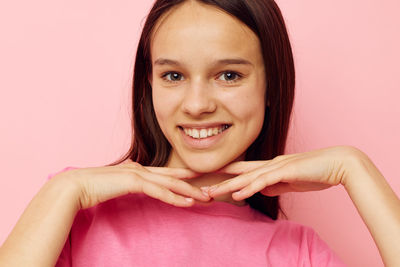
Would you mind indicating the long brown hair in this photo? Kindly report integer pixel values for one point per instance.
(149, 146)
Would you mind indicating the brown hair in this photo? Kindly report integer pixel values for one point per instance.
(149, 146)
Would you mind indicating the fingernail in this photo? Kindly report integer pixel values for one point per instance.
(204, 188)
(204, 191)
(188, 199)
(212, 188)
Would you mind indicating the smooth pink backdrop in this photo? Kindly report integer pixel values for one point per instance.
(66, 66)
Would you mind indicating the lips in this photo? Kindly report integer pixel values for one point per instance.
(203, 136)
(205, 132)
(204, 125)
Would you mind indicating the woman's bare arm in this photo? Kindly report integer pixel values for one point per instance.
(378, 206)
(43, 227)
(319, 169)
(40, 234)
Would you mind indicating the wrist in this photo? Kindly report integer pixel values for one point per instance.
(65, 183)
(352, 166)
(357, 165)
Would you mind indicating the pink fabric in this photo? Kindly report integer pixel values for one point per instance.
(137, 230)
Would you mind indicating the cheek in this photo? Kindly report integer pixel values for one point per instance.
(164, 105)
(252, 116)
(247, 106)
(248, 109)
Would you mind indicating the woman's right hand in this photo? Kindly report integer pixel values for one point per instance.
(99, 184)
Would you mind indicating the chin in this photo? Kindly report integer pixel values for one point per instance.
(209, 164)
(205, 167)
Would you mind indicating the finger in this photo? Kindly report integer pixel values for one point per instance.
(256, 186)
(165, 177)
(284, 173)
(240, 167)
(158, 192)
(242, 180)
(174, 184)
(276, 189)
(175, 172)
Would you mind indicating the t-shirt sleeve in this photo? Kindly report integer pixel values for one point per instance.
(320, 253)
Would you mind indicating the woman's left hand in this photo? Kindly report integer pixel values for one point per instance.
(309, 171)
(371, 194)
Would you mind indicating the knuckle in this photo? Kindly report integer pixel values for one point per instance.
(133, 166)
(267, 178)
(229, 186)
(163, 194)
(173, 181)
(257, 183)
(174, 199)
(170, 196)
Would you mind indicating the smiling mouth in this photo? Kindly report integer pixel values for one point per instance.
(202, 133)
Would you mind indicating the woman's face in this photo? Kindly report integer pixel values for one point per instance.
(208, 84)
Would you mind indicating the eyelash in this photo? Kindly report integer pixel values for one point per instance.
(239, 76)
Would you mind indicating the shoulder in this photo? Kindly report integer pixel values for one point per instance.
(296, 233)
(294, 230)
(306, 243)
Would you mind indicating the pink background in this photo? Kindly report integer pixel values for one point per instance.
(65, 88)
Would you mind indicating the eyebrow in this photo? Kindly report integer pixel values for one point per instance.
(227, 61)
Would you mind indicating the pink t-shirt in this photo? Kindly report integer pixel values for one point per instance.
(138, 230)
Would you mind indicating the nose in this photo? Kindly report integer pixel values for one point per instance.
(198, 98)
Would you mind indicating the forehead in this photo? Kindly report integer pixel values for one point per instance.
(203, 30)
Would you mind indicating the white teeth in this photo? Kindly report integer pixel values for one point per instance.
(204, 133)
(215, 131)
(195, 133)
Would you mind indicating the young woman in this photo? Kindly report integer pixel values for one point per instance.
(213, 90)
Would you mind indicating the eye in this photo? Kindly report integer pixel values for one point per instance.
(229, 76)
(173, 76)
